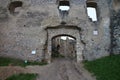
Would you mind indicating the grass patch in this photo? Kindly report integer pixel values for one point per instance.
(16, 62)
(107, 68)
(22, 77)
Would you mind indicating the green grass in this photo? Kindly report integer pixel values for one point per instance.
(16, 62)
(22, 77)
(107, 68)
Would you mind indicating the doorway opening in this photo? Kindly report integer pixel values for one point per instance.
(63, 46)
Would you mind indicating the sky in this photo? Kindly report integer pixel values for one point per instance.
(65, 37)
(66, 8)
(90, 11)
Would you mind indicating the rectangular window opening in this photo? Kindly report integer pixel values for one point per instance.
(92, 13)
(64, 5)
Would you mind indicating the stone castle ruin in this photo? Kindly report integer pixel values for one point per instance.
(28, 28)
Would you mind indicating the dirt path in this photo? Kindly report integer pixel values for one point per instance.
(10, 70)
(60, 69)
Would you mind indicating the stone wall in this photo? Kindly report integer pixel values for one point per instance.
(24, 32)
(115, 27)
(98, 45)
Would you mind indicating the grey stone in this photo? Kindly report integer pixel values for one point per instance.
(39, 21)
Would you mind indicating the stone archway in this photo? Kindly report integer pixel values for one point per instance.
(64, 46)
(73, 31)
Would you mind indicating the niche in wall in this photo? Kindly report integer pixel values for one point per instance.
(14, 7)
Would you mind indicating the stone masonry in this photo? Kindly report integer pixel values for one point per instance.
(28, 26)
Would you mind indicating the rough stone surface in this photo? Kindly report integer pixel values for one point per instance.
(28, 30)
(115, 31)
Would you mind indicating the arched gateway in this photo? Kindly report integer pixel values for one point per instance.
(72, 31)
(64, 46)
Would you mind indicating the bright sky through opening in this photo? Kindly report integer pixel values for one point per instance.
(64, 8)
(92, 13)
(65, 37)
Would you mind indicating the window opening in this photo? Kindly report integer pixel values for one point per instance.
(92, 11)
(15, 6)
(64, 7)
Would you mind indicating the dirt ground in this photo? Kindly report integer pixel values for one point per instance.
(60, 69)
(10, 70)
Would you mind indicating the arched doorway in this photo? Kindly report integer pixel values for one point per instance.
(64, 46)
(64, 30)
